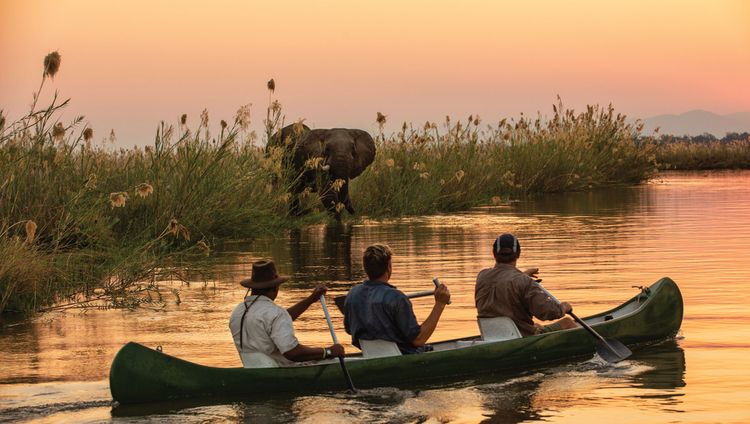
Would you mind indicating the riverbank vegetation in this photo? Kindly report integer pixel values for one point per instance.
(704, 152)
(457, 165)
(83, 223)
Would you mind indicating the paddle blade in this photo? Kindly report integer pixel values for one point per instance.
(339, 301)
(612, 350)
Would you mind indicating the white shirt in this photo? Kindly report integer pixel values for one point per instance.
(268, 329)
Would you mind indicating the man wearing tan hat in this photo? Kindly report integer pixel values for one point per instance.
(262, 330)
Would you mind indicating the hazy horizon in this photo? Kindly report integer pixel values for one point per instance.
(129, 66)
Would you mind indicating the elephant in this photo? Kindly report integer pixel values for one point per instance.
(344, 154)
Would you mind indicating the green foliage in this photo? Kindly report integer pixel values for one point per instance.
(26, 275)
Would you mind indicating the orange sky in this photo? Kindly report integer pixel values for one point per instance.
(128, 65)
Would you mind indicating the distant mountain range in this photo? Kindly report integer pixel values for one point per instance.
(696, 122)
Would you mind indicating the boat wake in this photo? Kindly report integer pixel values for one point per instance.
(24, 413)
(21, 402)
(387, 394)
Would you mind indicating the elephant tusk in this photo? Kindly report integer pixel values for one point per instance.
(325, 167)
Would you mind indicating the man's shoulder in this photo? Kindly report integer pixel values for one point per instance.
(262, 308)
(504, 273)
(390, 292)
(236, 313)
(384, 292)
(483, 273)
(378, 286)
(356, 289)
(490, 273)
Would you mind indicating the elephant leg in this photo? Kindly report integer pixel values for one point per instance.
(330, 198)
(294, 205)
(344, 196)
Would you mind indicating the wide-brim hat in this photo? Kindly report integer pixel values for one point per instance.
(264, 276)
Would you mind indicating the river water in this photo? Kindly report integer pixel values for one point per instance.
(591, 249)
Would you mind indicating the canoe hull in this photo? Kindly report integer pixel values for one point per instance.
(139, 374)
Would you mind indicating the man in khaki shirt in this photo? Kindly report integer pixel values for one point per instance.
(506, 291)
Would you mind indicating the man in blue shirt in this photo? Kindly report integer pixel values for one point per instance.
(376, 310)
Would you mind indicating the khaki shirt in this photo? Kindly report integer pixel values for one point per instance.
(268, 329)
(506, 291)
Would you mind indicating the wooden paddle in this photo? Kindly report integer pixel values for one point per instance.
(611, 350)
(335, 341)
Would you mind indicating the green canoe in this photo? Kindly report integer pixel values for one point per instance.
(140, 374)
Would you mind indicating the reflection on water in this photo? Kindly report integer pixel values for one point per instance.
(591, 249)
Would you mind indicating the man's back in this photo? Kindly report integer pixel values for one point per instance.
(506, 291)
(268, 328)
(377, 310)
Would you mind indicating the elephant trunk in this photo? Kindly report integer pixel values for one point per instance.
(340, 166)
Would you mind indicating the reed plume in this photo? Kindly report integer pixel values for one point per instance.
(58, 131)
(242, 117)
(51, 64)
(337, 184)
(118, 199)
(30, 228)
(144, 190)
(299, 127)
(380, 119)
(177, 230)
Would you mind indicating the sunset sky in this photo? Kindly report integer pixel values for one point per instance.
(128, 65)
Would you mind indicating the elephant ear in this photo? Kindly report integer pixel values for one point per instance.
(364, 151)
(312, 144)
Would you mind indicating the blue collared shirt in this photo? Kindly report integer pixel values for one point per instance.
(377, 310)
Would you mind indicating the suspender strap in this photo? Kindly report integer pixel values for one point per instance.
(242, 321)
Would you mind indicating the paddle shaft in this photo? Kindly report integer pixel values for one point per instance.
(580, 321)
(336, 341)
(436, 282)
(591, 330)
(339, 300)
(424, 293)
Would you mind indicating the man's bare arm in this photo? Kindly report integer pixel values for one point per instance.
(442, 296)
(301, 306)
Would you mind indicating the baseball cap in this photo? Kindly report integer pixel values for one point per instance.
(506, 245)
